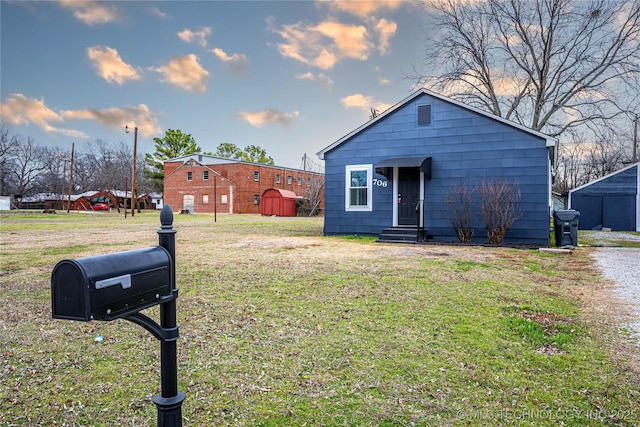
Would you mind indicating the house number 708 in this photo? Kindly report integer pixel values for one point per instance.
(380, 182)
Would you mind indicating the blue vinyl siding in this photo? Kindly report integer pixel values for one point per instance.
(611, 202)
(465, 147)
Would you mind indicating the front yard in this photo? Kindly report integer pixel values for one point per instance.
(280, 326)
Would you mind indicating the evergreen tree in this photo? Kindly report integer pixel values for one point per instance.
(173, 144)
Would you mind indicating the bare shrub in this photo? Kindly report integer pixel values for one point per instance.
(499, 208)
(459, 202)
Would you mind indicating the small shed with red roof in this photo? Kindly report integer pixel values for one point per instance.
(278, 202)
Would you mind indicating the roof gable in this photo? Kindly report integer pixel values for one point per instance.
(633, 165)
(190, 162)
(550, 141)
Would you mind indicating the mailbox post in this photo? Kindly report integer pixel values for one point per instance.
(169, 402)
(119, 286)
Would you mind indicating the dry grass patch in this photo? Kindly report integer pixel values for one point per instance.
(474, 254)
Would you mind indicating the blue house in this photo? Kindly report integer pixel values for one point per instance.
(395, 171)
(612, 201)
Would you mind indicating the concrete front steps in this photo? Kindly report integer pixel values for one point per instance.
(401, 235)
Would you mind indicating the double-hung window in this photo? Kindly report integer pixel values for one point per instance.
(358, 191)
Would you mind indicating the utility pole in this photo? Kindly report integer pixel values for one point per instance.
(64, 175)
(126, 185)
(215, 199)
(70, 177)
(635, 140)
(133, 179)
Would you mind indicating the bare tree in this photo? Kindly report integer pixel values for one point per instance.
(28, 165)
(569, 166)
(106, 166)
(551, 65)
(602, 158)
(144, 184)
(54, 177)
(27, 168)
(313, 192)
(7, 141)
(99, 157)
(7, 150)
(82, 173)
(583, 159)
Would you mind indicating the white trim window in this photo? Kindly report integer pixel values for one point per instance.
(358, 188)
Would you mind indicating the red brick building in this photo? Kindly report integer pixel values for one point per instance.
(207, 184)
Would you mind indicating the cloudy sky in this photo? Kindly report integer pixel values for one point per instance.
(289, 76)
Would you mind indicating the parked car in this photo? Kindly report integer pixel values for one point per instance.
(100, 207)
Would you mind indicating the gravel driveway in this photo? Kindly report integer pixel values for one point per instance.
(622, 267)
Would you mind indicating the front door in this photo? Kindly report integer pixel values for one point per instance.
(408, 195)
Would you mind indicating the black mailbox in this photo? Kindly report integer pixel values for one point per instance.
(106, 287)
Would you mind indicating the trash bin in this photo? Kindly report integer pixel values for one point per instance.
(566, 227)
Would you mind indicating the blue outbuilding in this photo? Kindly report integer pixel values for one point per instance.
(395, 171)
(612, 201)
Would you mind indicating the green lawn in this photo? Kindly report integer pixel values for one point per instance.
(283, 327)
